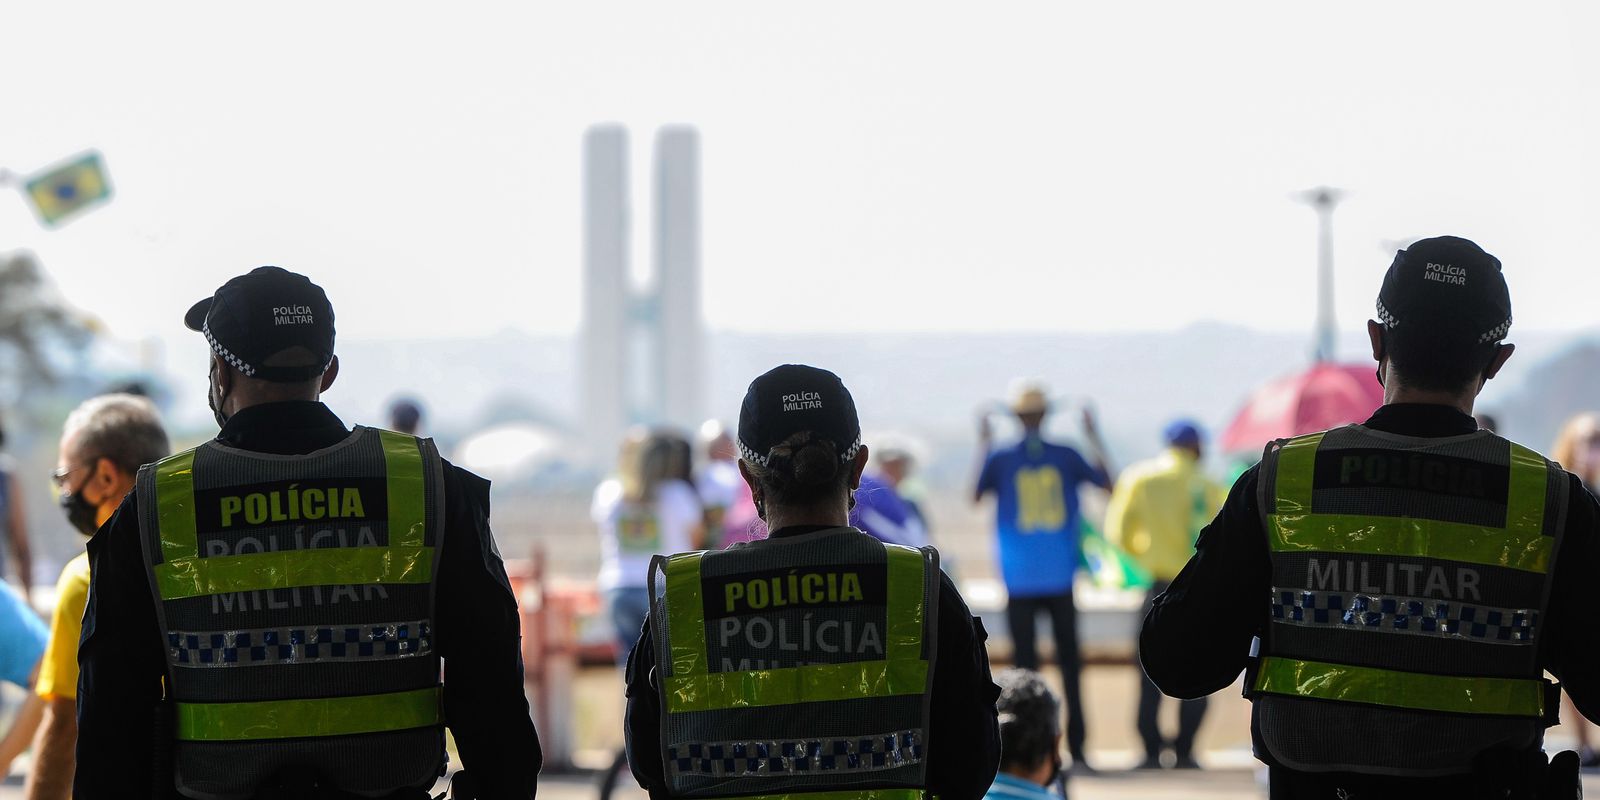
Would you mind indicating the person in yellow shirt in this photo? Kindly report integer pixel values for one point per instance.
(104, 442)
(1157, 509)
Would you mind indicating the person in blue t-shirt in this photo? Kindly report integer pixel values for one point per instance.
(1035, 484)
(22, 639)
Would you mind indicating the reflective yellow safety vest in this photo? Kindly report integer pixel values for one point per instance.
(798, 667)
(1409, 577)
(296, 595)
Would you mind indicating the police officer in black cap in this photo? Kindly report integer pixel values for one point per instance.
(279, 599)
(818, 662)
(1409, 580)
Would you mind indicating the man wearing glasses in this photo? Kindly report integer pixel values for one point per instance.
(103, 444)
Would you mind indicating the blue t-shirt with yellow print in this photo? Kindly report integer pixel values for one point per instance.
(1036, 513)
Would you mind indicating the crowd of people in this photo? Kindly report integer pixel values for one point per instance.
(275, 607)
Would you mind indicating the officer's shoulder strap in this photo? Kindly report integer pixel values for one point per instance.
(148, 471)
(1267, 470)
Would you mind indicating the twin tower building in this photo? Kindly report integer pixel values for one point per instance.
(643, 343)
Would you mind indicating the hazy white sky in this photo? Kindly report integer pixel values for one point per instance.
(866, 165)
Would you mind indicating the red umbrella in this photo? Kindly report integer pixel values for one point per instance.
(1324, 396)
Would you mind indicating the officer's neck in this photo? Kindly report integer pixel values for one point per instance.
(1395, 391)
(833, 515)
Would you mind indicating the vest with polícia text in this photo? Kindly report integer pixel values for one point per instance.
(1409, 579)
(796, 666)
(296, 596)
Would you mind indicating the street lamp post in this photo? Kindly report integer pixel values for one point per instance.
(1323, 199)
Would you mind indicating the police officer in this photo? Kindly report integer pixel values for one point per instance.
(816, 660)
(1410, 578)
(278, 600)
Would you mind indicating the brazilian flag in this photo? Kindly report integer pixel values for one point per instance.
(70, 187)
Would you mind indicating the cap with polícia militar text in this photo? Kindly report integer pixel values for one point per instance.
(1448, 286)
(263, 313)
(792, 399)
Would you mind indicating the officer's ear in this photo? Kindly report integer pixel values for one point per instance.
(224, 373)
(1502, 354)
(856, 468)
(1375, 333)
(749, 479)
(329, 375)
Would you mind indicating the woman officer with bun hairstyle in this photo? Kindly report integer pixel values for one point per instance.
(818, 659)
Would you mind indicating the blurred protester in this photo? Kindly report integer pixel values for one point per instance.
(1155, 514)
(13, 523)
(741, 522)
(405, 416)
(22, 640)
(1035, 484)
(648, 509)
(1030, 738)
(896, 463)
(1487, 422)
(717, 480)
(209, 612)
(883, 514)
(1577, 449)
(103, 443)
(823, 602)
(680, 457)
(1410, 578)
(645, 511)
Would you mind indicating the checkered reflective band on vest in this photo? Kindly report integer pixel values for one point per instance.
(1409, 580)
(797, 667)
(296, 593)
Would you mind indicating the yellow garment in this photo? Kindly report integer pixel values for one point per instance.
(1158, 508)
(58, 670)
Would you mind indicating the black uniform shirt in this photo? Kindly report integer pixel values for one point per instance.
(1193, 643)
(963, 731)
(478, 634)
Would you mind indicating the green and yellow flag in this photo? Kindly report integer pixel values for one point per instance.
(65, 189)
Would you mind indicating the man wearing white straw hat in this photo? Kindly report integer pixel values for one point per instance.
(1035, 484)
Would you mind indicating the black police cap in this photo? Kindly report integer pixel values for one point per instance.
(792, 399)
(258, 315)
(1450, 286)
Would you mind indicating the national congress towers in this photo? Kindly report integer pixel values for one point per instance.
(642, 350)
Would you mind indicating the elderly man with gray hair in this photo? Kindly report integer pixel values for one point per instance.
(103, 443)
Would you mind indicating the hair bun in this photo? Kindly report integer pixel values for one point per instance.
(815, 463)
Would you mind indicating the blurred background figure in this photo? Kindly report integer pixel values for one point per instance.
(22, 639)
(103, 443)
(1487, 422)
(1577, 449)
(649, 508)
(1030, 739)
(13, 523)
(883, 513)
(718, 479)
(1155, 514)
(646, 510)
(719, 482)
(1035, 484)
(895, 464)
(405, 416)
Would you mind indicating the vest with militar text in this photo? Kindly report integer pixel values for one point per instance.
(1409, 579)
(796, 666)
(296, 593)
